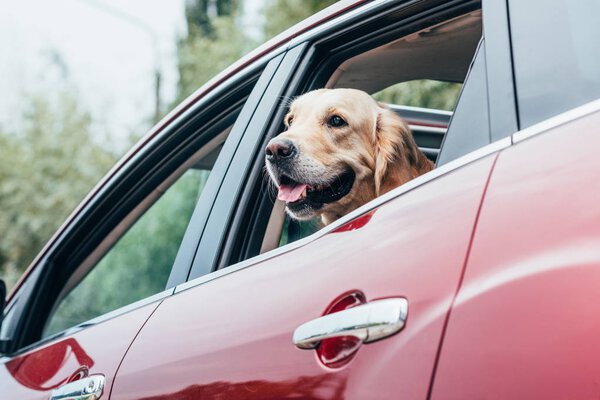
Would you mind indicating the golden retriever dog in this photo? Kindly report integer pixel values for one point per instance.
(341, 149)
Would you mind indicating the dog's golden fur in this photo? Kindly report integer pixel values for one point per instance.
(374, 142)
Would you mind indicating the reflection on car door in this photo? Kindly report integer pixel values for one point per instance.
(229, 334)
(95, 350)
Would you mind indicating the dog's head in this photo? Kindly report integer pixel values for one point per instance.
(341, 149)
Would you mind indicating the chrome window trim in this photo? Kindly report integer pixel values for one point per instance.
(429, 129)
(557, 120)
(407, 187)
(424, 110)
(92, 322)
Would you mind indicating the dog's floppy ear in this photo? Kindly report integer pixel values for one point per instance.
(397, 156)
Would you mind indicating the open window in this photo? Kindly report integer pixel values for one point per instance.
(417, 65)
(420, 76)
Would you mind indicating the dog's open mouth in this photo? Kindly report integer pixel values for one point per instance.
(295, 193)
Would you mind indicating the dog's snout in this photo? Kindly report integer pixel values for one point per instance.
(280, 148)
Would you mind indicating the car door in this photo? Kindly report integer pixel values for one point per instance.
(233, 333)
(525, 322)
(69, 324)
(230, 333)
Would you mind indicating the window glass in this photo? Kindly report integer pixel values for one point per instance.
(423, 93)
(469, 127)
(556, 55)
(138, 265)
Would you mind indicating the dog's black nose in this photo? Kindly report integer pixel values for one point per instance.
(279, 148)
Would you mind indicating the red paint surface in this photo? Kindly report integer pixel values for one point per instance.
(232, 337)
(38, 369)
(95, 350)
(356, 223)
(526, 323)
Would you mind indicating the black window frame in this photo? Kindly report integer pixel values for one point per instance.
(214, 231)
(156, 160)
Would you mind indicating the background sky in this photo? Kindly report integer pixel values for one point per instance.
(104, 50)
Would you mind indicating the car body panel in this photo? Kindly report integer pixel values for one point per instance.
(231, 336)
(525, 323)
(97, 349)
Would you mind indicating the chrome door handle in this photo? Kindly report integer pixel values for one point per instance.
(89, 388)
(368, 322)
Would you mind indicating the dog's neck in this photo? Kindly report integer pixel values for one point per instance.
(396, 177)
(328, 218)
(399, 176)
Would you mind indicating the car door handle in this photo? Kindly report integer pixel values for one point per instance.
(372, 321)
(88, 388)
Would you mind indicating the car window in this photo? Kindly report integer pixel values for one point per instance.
(430, 96)
(469, 127)
(426, 104)
(424, 93)
(556, 56)
(418, 72)
(139, 263)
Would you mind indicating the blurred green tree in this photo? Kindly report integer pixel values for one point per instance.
(422, 93)
(213, 41)
(138, 265)
(282, 14)
(45, 170)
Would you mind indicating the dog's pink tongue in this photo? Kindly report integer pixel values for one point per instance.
(289, 193)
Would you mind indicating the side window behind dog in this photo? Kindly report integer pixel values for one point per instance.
(138, 264)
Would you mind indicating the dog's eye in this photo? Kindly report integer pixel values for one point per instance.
(336, 121)
(289, 121)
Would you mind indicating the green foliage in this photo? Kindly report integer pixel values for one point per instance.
(215, 41)
(197, 15)
(282, 14)
(212, 43)
(201, 57)
(422, 93)
(139, 264)
(45, 170)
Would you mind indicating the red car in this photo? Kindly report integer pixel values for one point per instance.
(178, 277)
